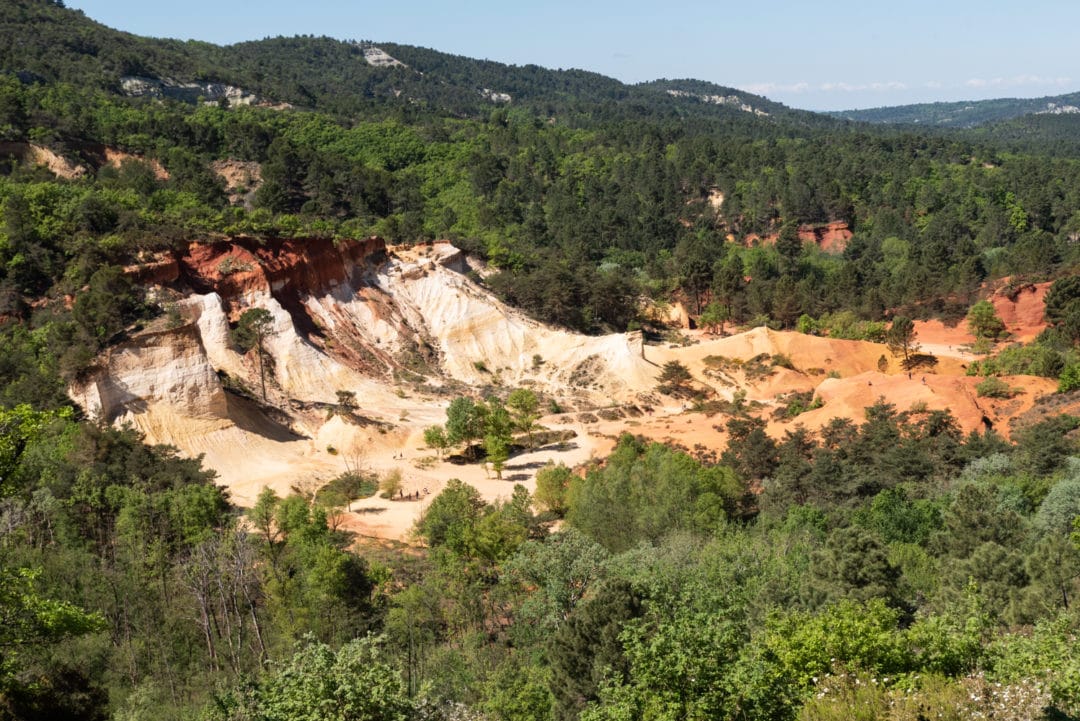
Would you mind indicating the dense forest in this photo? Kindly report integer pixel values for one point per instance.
(890, 565)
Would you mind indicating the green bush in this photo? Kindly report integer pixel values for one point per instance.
(1070, 379)
(347, 487)
(1032, 360)
(993, 387)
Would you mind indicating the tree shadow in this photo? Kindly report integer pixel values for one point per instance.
(919, 361)
(525, 466)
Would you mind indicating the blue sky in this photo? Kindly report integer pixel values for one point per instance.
(820, 56)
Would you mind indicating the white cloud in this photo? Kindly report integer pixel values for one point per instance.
(767, 88)
(892, 86)
(1017, 81)
(830, 87)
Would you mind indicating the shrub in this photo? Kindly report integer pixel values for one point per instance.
(230, 265)
(347, 487)
(1034, 360)
(780, 360)
(390, 484)
(1070, 379)
(993, 387)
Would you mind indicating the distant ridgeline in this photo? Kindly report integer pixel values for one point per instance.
(966, 114)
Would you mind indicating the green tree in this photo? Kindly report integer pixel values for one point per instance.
(587, 648)
(390, 484)
(1062, 307)
(317, 683)
(789, 246)
(253, 328)
(729, 284)
(497, 451)
(983, 321)
(750, 451)
(552, 487)
(714, 316)
(435, 437)
(29, 619)
(845, 635)
(452, 517)
(464, 421)
(106, 306)
(644, 492)
(674, 378)
(20, 428)
(901, 337)
(1070, 378)
(524, 407)
(855, 565)
(559, 572)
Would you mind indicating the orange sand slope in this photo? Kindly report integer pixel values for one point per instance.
(1021, 310)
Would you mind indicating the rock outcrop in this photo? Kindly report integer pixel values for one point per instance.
(32, 154)
(144, 87)
(356, 307)
(169, 366)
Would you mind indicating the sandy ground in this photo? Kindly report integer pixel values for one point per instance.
(250, 452)
(423, 477)
(859, 385)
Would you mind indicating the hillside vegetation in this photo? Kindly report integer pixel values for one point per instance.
(966, 113)
(894, 561)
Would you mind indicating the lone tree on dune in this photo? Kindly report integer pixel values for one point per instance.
(674, 378)
(901, 337)
(464, 422)
(255, 325)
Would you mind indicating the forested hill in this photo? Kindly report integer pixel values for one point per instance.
(49, 42)
(965, 114)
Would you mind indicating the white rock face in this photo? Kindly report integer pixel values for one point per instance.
(136, 86)
(733, 100)
(495, 97)
(1055, 109)
(380, 58)
(169, 367)
(474, 330)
